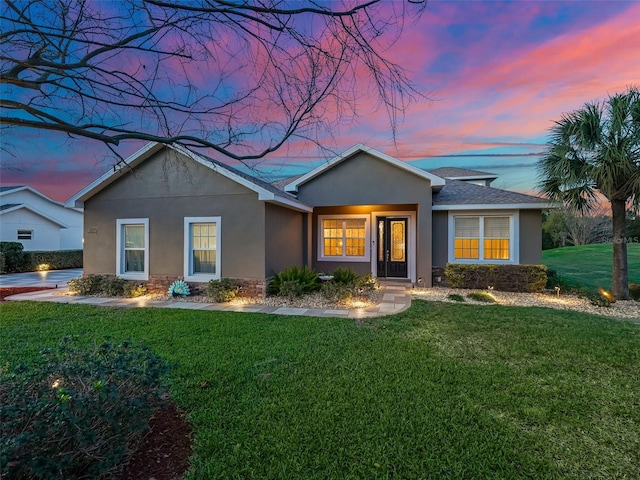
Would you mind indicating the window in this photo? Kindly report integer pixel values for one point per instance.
(344, 238)
(25, 234)
(201, 248)
(132, 251)
(483, 238)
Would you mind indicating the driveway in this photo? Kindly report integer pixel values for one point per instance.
(52, 278)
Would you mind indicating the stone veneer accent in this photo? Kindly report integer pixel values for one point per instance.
(250, 287)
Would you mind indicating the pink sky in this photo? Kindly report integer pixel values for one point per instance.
(498, 75)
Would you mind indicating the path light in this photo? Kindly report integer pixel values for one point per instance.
(605, 294)
(557, 291)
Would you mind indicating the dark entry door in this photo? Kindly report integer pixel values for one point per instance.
(392, 247)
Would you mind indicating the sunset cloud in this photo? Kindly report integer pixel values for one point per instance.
(497, 74)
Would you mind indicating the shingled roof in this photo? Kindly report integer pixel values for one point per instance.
(459, 173)
(459, 193)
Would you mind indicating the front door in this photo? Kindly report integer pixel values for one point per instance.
(392, 247)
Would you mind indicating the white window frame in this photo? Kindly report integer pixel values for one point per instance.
(120, 223)
(188, 275)
(344, 258)
(514, 240)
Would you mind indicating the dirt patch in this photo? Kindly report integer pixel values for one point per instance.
(8, 291)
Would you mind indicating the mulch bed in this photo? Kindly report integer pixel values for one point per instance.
(8, 291)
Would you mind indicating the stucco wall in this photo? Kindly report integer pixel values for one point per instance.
(366, 181)
(530, 237)
(165, 189)
(440, 238)
(45, 236)
(283, 237)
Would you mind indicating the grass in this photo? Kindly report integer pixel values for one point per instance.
(590, 266)
(438, 391)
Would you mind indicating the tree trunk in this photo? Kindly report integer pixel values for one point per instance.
(620, 281)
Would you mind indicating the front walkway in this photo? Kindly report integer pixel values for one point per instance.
(395, 299)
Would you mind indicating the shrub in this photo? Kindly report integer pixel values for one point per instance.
(456, 297)
(291, 289)
(336, 291)
(345, 276)
(179, 288)
(600, 298)
(13, 258)
(77, 412)
(223, 290)
(56, 259)
(365, 283)
(112, 286)
(133, 289)
(106, 285)
(510, 278)
(87, 285)
(306, 277)
(481, 297)
(634, 291)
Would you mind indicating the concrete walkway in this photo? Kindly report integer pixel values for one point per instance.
(395, 299)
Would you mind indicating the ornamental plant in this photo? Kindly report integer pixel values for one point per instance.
(78, 412)
(179, 288)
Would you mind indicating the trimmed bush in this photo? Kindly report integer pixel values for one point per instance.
(306, 277)
(106, 286)
(481, 297)
(634, 291)
(87, 285)
(508, 278)
(13, 259)
(78, 413)
(223, 290)
(291, 289)
(336, 291)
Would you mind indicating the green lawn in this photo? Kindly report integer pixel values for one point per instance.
(438, 391)
(590, 265)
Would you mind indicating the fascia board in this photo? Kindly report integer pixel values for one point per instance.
(497, 206)
(37, 212)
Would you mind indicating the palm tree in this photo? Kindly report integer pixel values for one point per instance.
(596, 151)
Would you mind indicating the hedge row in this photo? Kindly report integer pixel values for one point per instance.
(14, 260)
(507, 278)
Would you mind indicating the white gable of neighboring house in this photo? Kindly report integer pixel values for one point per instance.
(38, 222)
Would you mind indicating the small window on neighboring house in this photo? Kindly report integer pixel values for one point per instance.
(201, 248)
(482, 238)
(132, 248)
(343, 238)
(25, 234)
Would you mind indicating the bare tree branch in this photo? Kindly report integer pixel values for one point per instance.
(239, 78)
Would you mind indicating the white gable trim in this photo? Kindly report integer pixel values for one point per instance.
(497, 206)
(435, 181)
(37, 212)
(32, 190)
(150, 149)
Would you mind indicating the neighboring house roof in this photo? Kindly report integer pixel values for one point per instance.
(6, 190)
(459, 195)
(455, 173)
(266, 191)
(435, 180)
(12, 207)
